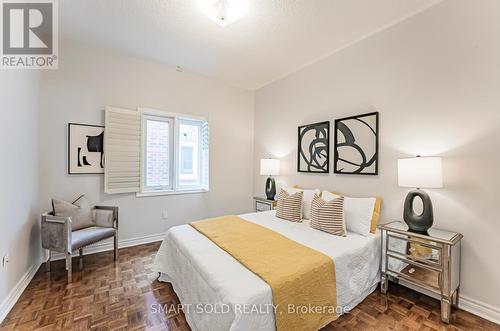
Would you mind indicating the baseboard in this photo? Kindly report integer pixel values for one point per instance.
(109, 246)
(466, 303)
(16, 292)
(480, 309)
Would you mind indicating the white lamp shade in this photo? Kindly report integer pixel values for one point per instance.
(420, 172)
(269, 167)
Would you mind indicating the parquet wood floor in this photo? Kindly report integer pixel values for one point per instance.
(109, 296)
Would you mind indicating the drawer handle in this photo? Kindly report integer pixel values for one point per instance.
(411, 271)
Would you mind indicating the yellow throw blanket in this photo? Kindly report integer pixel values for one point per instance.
(302, 279)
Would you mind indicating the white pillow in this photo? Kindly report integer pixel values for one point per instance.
(358, 212)
(307, 198)
(328, 196)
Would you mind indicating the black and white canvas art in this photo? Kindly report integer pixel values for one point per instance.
(314, 148)
(85, 149)
(356, 145)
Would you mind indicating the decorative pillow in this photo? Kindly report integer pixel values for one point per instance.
(371, 208)
(306, 200)
(289, 207)
(328, 216)
(327, 196)
(82, 202)
(80, 212)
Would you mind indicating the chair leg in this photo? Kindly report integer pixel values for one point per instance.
(80, 251)
(68, 267)
(116, 247)
(47, 264)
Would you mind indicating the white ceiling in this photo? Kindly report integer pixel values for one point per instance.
(275, 38)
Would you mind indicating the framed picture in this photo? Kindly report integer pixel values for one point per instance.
(85, 149)
(313, 153)
(356, 145)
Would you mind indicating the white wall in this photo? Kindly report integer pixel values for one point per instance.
(19, 229)
(435, 80)
(89, 79)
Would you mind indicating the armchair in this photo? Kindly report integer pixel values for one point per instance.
(58, 236)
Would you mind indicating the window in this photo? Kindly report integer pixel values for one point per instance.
(157, 153)
(175, 154)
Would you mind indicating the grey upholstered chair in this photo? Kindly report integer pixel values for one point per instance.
(58, 236)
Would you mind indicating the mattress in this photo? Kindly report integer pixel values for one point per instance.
(218, 293)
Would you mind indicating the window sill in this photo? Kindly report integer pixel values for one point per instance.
(178, 192)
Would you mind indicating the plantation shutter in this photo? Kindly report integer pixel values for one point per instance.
(205, 159)
(122, 146)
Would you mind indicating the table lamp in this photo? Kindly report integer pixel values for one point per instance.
(419, 172)
(270, 167)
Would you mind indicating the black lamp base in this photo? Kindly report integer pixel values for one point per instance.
(270, 188)
(418, 223)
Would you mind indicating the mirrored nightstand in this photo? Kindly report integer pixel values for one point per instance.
(427, 263)
(263, 204)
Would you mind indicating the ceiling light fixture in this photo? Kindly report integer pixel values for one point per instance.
(224, 12)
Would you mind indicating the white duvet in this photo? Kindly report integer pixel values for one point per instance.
(202, 273)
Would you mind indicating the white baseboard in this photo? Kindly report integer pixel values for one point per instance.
(107, 245)
(16, 292)
(480, 309)
(466, 303)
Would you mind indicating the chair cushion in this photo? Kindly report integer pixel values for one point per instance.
(80, 212)
(90, 235)
(103, 217)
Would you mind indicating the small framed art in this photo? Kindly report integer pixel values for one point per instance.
(85, 149)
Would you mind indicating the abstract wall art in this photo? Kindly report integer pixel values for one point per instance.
(85, 149)
(356, 145)
(314, 148)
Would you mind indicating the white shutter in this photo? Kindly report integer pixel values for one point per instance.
(205, 159)
(122, 147)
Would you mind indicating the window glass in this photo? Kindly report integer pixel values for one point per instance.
(189, 154)
(186, 167)
(157, 153)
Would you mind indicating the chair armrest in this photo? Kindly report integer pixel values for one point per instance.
(56, 233)
(115, 215)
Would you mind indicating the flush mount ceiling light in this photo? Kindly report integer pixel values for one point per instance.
(224, 12)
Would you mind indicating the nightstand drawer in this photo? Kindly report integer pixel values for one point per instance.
(262, 206)
(428, 253)
(414, 272)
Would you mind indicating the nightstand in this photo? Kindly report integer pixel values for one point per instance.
(263, 204)
(429, 264)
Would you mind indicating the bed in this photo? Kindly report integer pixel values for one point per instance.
(204, 276)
